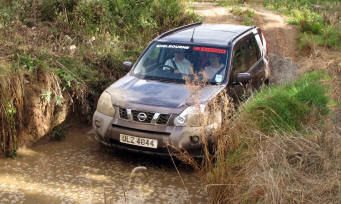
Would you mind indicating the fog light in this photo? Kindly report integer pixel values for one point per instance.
(97, 123)
(195, 139)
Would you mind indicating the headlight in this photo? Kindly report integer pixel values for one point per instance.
(104, 105)
(192, 116)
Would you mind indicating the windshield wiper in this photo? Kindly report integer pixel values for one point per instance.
(163, 79)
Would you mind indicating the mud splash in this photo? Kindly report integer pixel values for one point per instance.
(78, 170)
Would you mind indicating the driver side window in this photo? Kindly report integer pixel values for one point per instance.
(246, 54)
(239, 64)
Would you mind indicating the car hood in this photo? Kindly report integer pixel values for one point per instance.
(156, 96)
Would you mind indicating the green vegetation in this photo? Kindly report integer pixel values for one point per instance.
(229, 2)
(11, 109)
(78, 46)
(289, 107)
(247, 15)
(58, 133)
(98, 34)
(277, 145)
(319, 21)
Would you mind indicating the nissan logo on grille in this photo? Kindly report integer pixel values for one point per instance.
(142, 117)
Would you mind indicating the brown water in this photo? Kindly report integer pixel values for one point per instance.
(78, 170)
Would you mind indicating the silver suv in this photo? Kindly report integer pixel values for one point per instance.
(153, 106)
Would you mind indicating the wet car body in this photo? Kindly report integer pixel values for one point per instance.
(146, 110)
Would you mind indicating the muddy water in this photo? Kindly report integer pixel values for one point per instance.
(78, 170)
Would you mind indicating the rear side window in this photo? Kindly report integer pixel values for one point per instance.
(246, 54)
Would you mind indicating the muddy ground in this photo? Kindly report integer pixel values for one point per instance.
(78, 170)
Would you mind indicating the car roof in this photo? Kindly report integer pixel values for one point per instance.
(218, 35)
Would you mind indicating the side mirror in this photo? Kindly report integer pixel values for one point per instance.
(127, 66)
(243, 78)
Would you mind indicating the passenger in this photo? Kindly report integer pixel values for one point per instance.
(215, 67)
(180, 63)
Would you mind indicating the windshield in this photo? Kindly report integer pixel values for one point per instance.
(175, 62)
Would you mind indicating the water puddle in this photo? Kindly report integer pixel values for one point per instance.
(77, 170)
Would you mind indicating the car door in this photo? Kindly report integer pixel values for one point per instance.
(246, 58)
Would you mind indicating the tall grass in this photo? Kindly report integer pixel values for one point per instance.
(11, 112)
(279, 147)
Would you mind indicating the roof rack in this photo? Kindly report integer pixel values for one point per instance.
(242, 34)
(177, 29)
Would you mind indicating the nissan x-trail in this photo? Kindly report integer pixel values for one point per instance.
(152, 107)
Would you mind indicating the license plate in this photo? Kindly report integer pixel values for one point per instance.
(138, 141)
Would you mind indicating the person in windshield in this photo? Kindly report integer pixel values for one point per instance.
(179, 63)
(215, 69)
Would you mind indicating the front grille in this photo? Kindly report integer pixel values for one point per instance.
(123, 113)
(150, 117)
(147, 120)
(163, 119)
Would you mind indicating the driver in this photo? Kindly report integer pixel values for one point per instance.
(180, 63)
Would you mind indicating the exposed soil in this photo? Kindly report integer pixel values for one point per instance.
(282, 70)
(78, 170)
(41, 111)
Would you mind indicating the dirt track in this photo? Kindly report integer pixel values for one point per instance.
(78, 171)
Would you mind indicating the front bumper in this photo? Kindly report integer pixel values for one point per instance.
(108, 132)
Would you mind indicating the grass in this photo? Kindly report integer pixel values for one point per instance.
(277, 147)
(11, 112)
(318, 21)
(247, 15)
(289, 107)
(230, 2)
